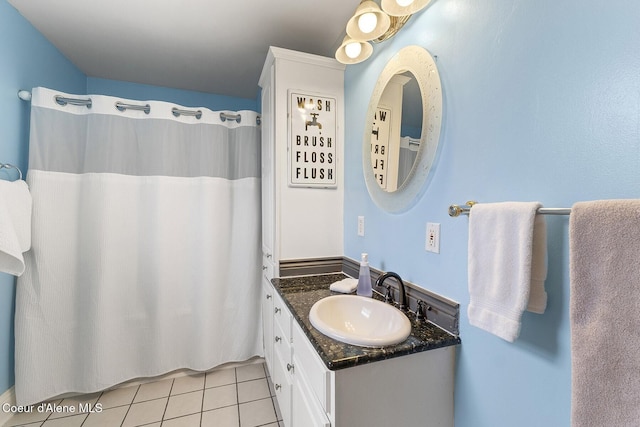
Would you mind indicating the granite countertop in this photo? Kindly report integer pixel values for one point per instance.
(300, 293)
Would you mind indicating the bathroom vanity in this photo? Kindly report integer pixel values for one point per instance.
(322, 382)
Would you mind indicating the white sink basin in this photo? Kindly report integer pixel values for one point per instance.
(360, 321)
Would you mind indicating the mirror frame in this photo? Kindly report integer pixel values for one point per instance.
(422, 65)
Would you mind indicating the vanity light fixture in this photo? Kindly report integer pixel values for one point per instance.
(403, 7)
(368, 23)
(371, 23)
(353, 51)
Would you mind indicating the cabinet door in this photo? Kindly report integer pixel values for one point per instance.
(306, 410)
(283, 387)
(318, 378)
(267, 322)
(268, 173)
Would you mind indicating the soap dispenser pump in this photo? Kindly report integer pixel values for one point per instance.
(364, 278)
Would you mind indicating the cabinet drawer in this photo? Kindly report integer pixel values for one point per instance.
(306, 410)
(282, 317)
(281, 347)
(283, 388)
(319, 378)
(267, 321)
(268, 267)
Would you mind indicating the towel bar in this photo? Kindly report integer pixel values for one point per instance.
(10, 166)
(457, 210)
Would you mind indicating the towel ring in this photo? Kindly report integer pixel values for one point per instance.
(10, 166)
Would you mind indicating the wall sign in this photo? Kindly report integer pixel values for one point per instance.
(380, 145)
(312, 141)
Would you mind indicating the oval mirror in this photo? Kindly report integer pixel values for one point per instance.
(402, 129)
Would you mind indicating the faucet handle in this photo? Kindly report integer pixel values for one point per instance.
(420, 311)
(388, 296)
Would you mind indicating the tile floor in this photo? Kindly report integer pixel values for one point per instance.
(228, 397)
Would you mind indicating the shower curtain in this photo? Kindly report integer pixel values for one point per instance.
(146, 252)
(408, 153)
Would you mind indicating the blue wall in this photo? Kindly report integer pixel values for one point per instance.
(27, 59)
(542, 102)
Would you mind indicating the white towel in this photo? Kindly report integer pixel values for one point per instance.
(604, 241)
(345, 286)
(507, 266)
(15, 225)
(538, 296)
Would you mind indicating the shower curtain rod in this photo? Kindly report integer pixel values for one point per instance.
(25, 95)
(457, 210)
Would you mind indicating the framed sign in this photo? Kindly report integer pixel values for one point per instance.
(312, 140)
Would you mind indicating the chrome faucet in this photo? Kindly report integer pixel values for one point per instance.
(385, 276)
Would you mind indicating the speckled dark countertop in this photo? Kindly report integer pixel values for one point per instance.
(300, 293)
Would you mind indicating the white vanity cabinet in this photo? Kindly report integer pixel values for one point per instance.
(282, 366)
(414, 389)
(298, 221)
(305, 222)
(294, 370)
(297, 373)
(312, 384)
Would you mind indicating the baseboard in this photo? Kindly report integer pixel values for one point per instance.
(8, 397)
(310, 266)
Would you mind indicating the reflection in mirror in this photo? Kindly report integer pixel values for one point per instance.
(396, 131)
(402, 129)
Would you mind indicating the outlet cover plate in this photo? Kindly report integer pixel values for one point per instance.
(433, 237)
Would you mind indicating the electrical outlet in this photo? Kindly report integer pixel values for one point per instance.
(433, 237)
(361, 226)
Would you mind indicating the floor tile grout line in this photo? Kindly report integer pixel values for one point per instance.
(204, 389)
(87, 417)
(167, 404)
(273, 403)
(130, 405)
(237, 397)
(185, 415)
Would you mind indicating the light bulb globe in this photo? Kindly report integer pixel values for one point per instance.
(353, 50)
(367, 22)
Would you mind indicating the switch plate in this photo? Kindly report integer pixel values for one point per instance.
(433, 237)
(361, 226)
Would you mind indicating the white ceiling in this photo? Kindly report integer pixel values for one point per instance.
(203, 45)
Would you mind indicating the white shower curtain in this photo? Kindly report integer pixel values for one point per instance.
(145, 255)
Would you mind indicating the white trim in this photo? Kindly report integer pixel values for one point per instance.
(9, 397)
(292, 55)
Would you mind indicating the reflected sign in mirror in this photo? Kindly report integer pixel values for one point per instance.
(396, 130)
(402, 129)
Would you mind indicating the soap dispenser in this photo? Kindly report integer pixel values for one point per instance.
(364, 278)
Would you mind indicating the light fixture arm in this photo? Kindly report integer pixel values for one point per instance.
(396, 24)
